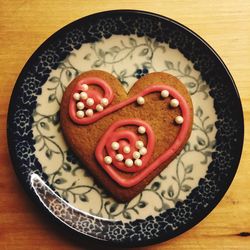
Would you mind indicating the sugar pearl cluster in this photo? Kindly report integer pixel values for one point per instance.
(82, 100)
(136, 156)
(174, 103)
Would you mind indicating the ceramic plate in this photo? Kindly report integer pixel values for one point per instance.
(128, 44)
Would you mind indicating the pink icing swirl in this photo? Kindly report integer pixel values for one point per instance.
(125, 137)
(96, 94)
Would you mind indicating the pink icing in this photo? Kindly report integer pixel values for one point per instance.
(92, 93)
(112, 135)
(127, 136)
(178, 143)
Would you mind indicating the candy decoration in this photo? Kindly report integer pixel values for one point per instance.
(80, 114)
(143, 151)
(138, 162)
(141, 130)
(80, 105)
(90, 101)
(76, 96)
(83, 95)
(179, 119)
(136, 155)
(140, 100)
(174, 103)
(104, 101)
(89, 112)
(107, 159)
(126, 149)
(85, 87)
(129, 163)
(119, 157)
(115, 145)
(164, 93)
(139, 144)
(99, 107)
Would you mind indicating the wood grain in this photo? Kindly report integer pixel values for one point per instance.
(24, 25)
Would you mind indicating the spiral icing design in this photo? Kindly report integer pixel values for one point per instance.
(90, 97)
(118, 139)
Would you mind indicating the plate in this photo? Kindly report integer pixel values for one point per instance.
(128, 44)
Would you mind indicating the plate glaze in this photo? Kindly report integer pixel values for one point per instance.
(127, 44)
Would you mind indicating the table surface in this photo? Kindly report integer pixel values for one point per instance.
(24, 25)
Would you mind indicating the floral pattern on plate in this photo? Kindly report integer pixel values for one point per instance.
(128, 58)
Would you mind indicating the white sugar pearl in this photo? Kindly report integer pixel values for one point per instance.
(119, 157)
(76, 96)
(90, 101)
(80, 114)
(83, 95)
(115, 145)
(143, 151)
(179, 119)
(141, 130)
(164, 93)
(107, 159)
(104, 101)
(80, 105)
(138, 162)
(89, 112)
(174, 103)
(126, 149)
(129, 163)
(139, 144)
(136, 155)
(140, 100)
(85, 87)
(99, 107)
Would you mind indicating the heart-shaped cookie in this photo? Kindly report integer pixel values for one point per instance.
(126, 140)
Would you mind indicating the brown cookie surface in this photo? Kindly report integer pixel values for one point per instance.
(158, 113)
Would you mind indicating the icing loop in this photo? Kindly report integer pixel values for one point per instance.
(118, 135)
(96, 103)
(90, 100)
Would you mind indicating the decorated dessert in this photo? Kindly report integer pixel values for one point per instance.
(125, 140)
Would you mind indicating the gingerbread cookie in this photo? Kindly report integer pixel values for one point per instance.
(125, 140)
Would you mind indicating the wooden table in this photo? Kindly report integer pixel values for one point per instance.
(24, 25)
